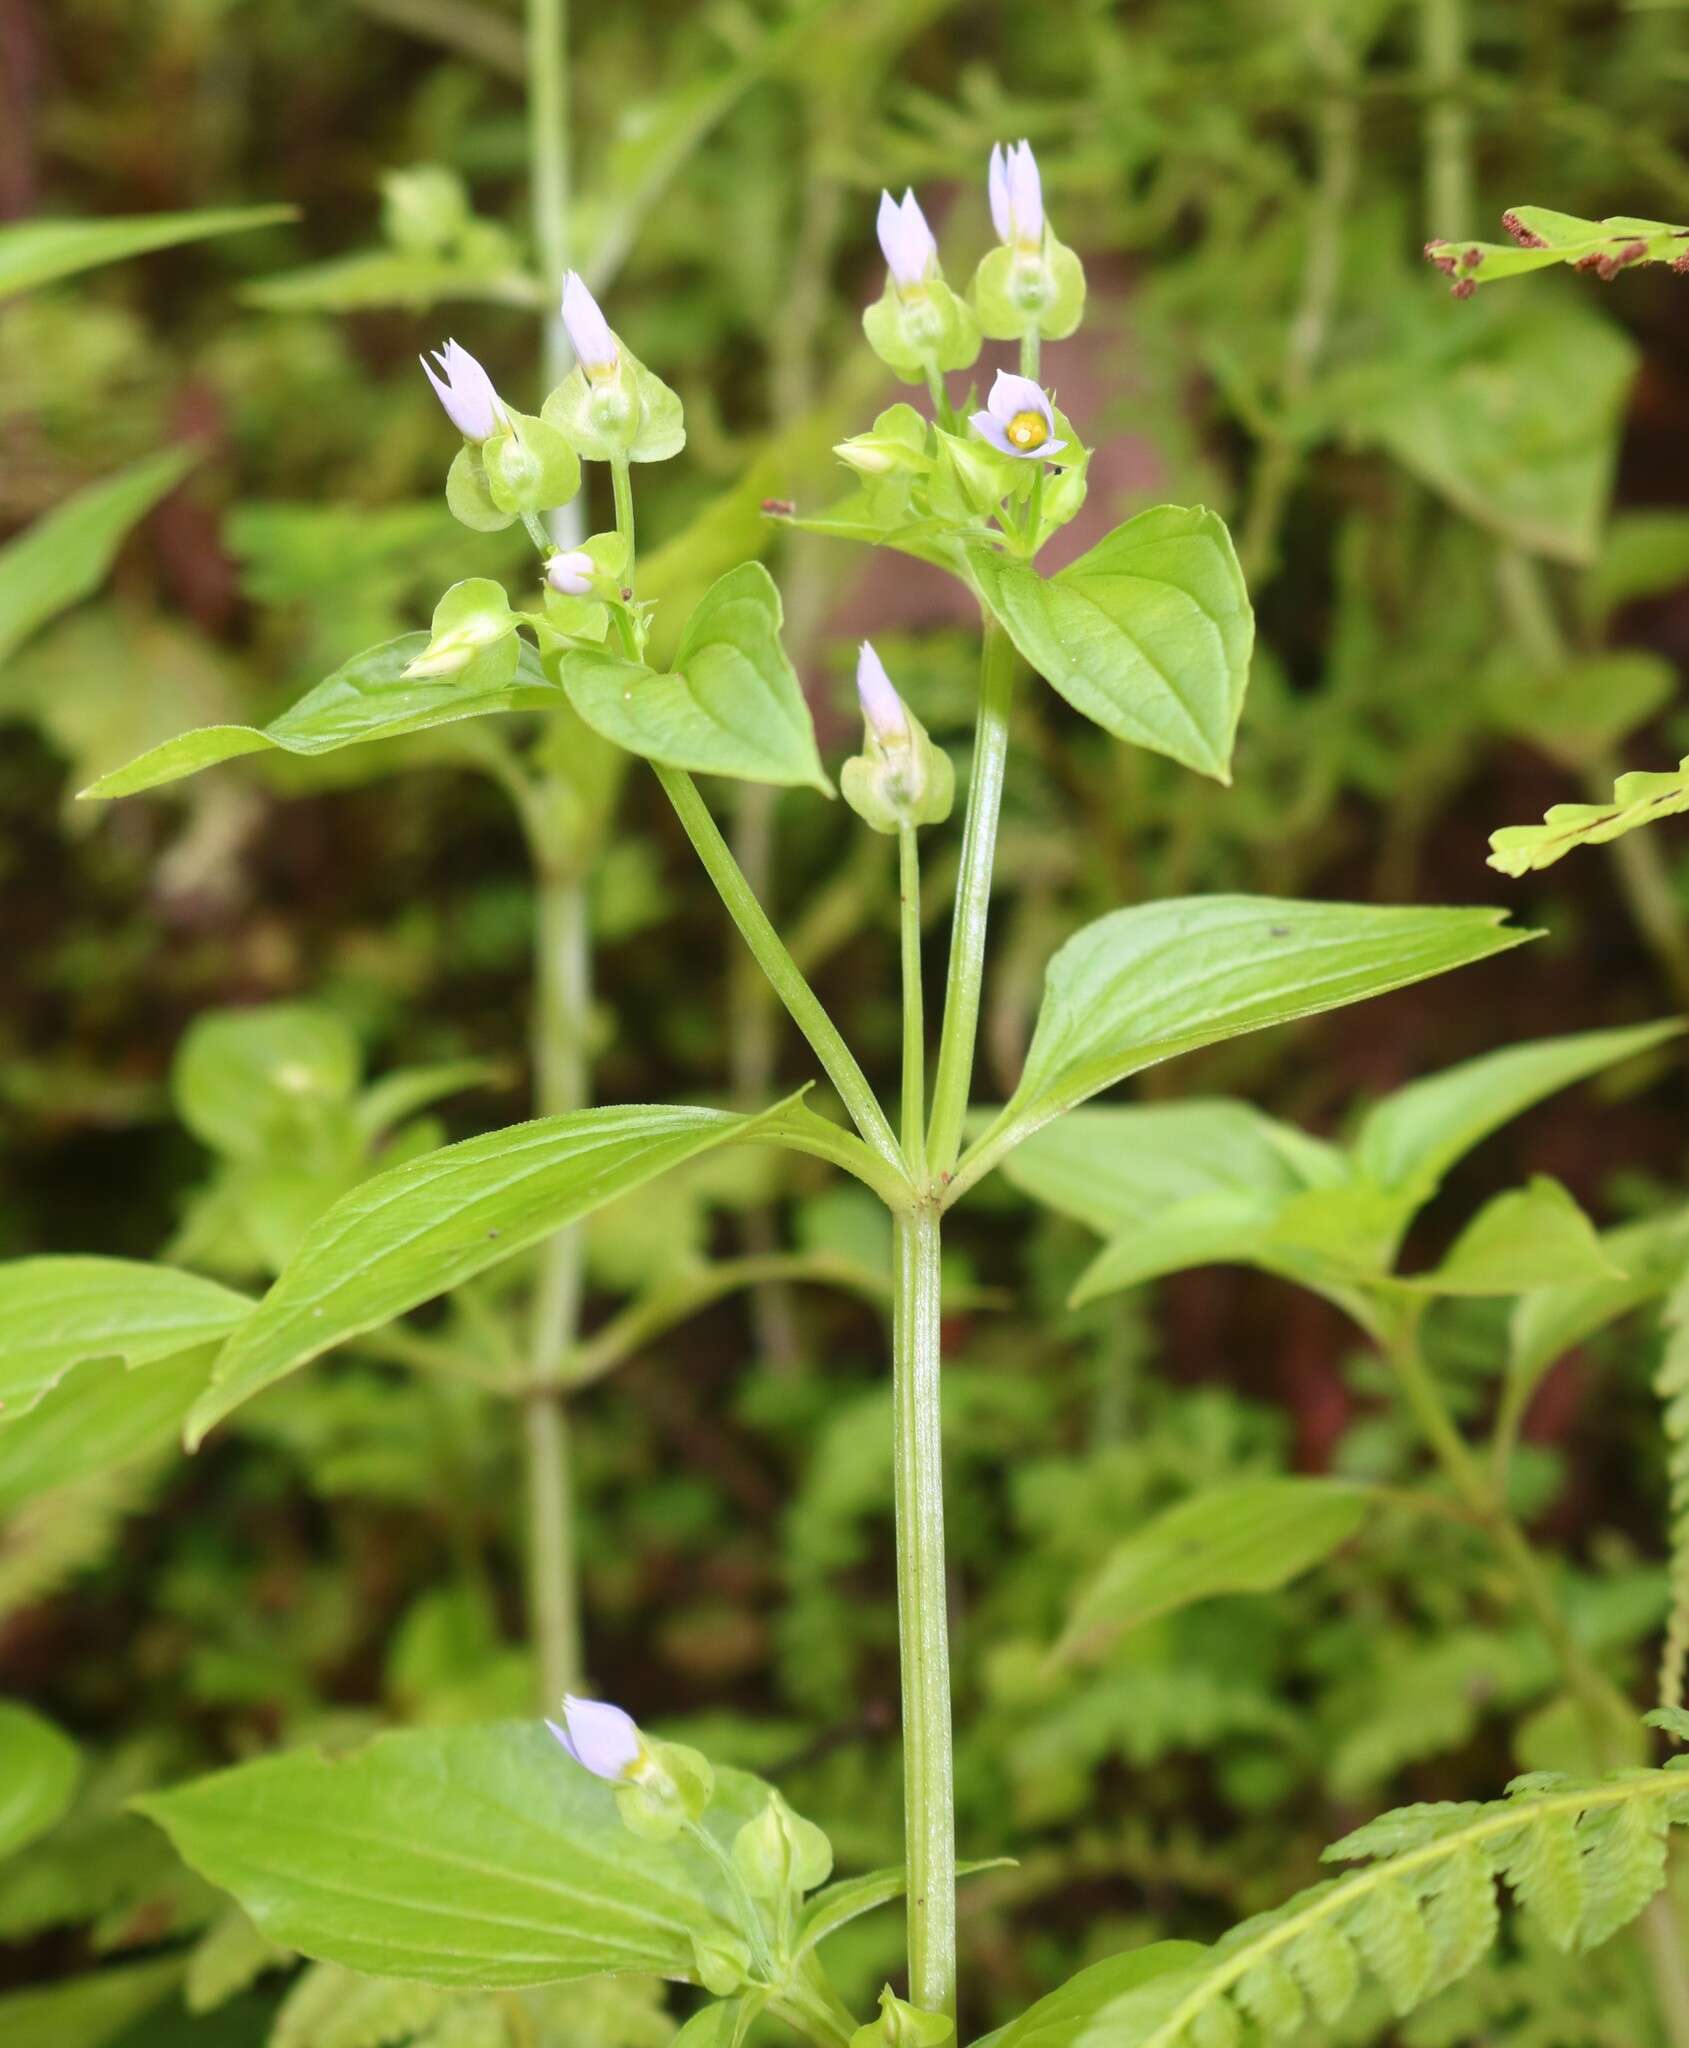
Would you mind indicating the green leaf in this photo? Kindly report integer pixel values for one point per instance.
(99, 1418)
(1542, 236)
(1145, 984)
(732, 704)
(1149, 634)
(92, 2011)
(65, 555)
(57, 1310)
(1583, 708)
(423, 1228)
(412, 278)
(1250, 1537)
(368, 698)
(38, 1772)
(851, 1897)
(475, 1856)
(1529, 1237)
(245, 1082)
(1084, 2009)
(37, 251)
(1411, 1139)
(1640, 798)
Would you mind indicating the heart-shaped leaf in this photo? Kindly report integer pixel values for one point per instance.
(1149, 634)
(731, 705)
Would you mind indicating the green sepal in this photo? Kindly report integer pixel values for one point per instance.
(901, 2025)
(1016, 293)
(897, 444)
(779, 1852)
(630, 414)
(721, 1961)
(569, 619)
(530, 466)
(473, 626)
(469, 496)
(929, 329)
(970, 478)
(905, 781)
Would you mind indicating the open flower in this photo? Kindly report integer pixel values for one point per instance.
(600, 1737)
(882, 707)
(589, 331)
(906, 241)
(1017, 196)
(466, 391)
(571, 572)
(1018, 419)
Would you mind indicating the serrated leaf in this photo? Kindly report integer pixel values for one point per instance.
(1145, 984)
(1328, 1969)
(368, 698)
(58, 1310)
(731, 705)
(1463, 1916)
(1623, 1866)
(1148, 634)
(65, 555)
(474, 1856)
(1271, 1997)
(35, 252)
(1639, 799)
(422, 1228)
(1390, 1932)
(1529, 1237)
(1544, 1867)
(1252, 1536)
(39, 1767)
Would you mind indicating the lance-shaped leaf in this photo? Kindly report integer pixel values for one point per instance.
(731, 705)
(1145, 984)
(422, 1228)
(847, 1900)
(369, 698)
(65, 555)
(1083, 2009)
(35, 252)
(1529, 1237)
(58, 1310)
(99, 1418)
(1149, 634)
(1251, 1537)
(1639, 798)
(38, 1771)
(1412, 1138)
(475, 1855)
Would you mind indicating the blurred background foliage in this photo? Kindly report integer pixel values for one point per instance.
(1466, 531)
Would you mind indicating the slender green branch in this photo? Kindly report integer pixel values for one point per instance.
(940, 399)
(1031, 348)
(929, 1823)
(623, 484)
(801, 1001)
(914, 1028)
(973, 900)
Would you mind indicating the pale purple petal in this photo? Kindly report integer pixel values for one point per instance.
(466, 392)
(571, 573)
(882, 707)
(589, 331)
(1025, 197)
(992, 430)
(905, 239)
(599, 1736)
(997, 184)
(1011, 394)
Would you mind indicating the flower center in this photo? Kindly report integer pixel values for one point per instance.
(1027, 430)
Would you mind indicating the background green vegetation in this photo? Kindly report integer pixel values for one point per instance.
(1467, 538)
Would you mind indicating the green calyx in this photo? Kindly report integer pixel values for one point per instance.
(668, 1789)
(901, 2025)
(1017, 292)
(924, 329)
(472, 623)
(899, 779)
(780, 1854)
(620, 414)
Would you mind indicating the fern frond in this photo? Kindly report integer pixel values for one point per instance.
(1639, 798)
(1581, 1858)
(1671, 1383)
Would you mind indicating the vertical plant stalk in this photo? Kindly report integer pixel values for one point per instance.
(1449, 204)
(914, 1114)
(923, 1631)
(563, 968)
(973, 901)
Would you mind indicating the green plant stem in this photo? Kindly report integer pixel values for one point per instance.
(929, 1825)
(623, 484)
(973, 900)
(1031, 349)
(802, 1003)
(914, 1027)
(1448, 123)
(940, 399)
(548, 172)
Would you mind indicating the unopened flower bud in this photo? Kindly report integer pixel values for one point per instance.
(572, 573)
(883, 709)
(1017, 196)
(780, 1852)
(466, 391)
(589, 331)
(600, 1737)
(906, 241)
(900, 778)
(1031, 284)
(472, 618)
(901, 2025)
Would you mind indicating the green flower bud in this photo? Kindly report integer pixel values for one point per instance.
(720, 1961)
(921, 327)
(472, 619)
(529, 466)
(900, 778)
(1016, 292)
(897, 445)
(668, 1786)
(780, 1852)
(901, 2025)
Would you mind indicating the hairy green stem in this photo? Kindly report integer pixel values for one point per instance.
(973, 901)
(802, 1003)
(929, 1824)
(1031, 348)
(914, 1027)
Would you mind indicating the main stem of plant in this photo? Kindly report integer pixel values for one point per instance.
(563, 969)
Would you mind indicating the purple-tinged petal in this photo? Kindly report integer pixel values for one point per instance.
(589, 331)
(1012, 394)
(599, 1736)
(991, 429)
(882, 707)
(997, 185)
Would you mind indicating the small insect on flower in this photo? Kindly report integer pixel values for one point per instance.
(1018, 419)
(600, 1737)
(906, 241)
(571, 573)
(589, 331)
(1017, 196)
(466, 391)
(882, 707)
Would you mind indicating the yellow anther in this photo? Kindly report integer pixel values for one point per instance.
(1027, 430)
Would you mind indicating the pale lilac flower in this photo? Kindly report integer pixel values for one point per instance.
(571, 573)
(600, 1737)
(1017, 196)
(905, 239)
(466, 391)
(1017, 419)
(589, 331)
(882, 707)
